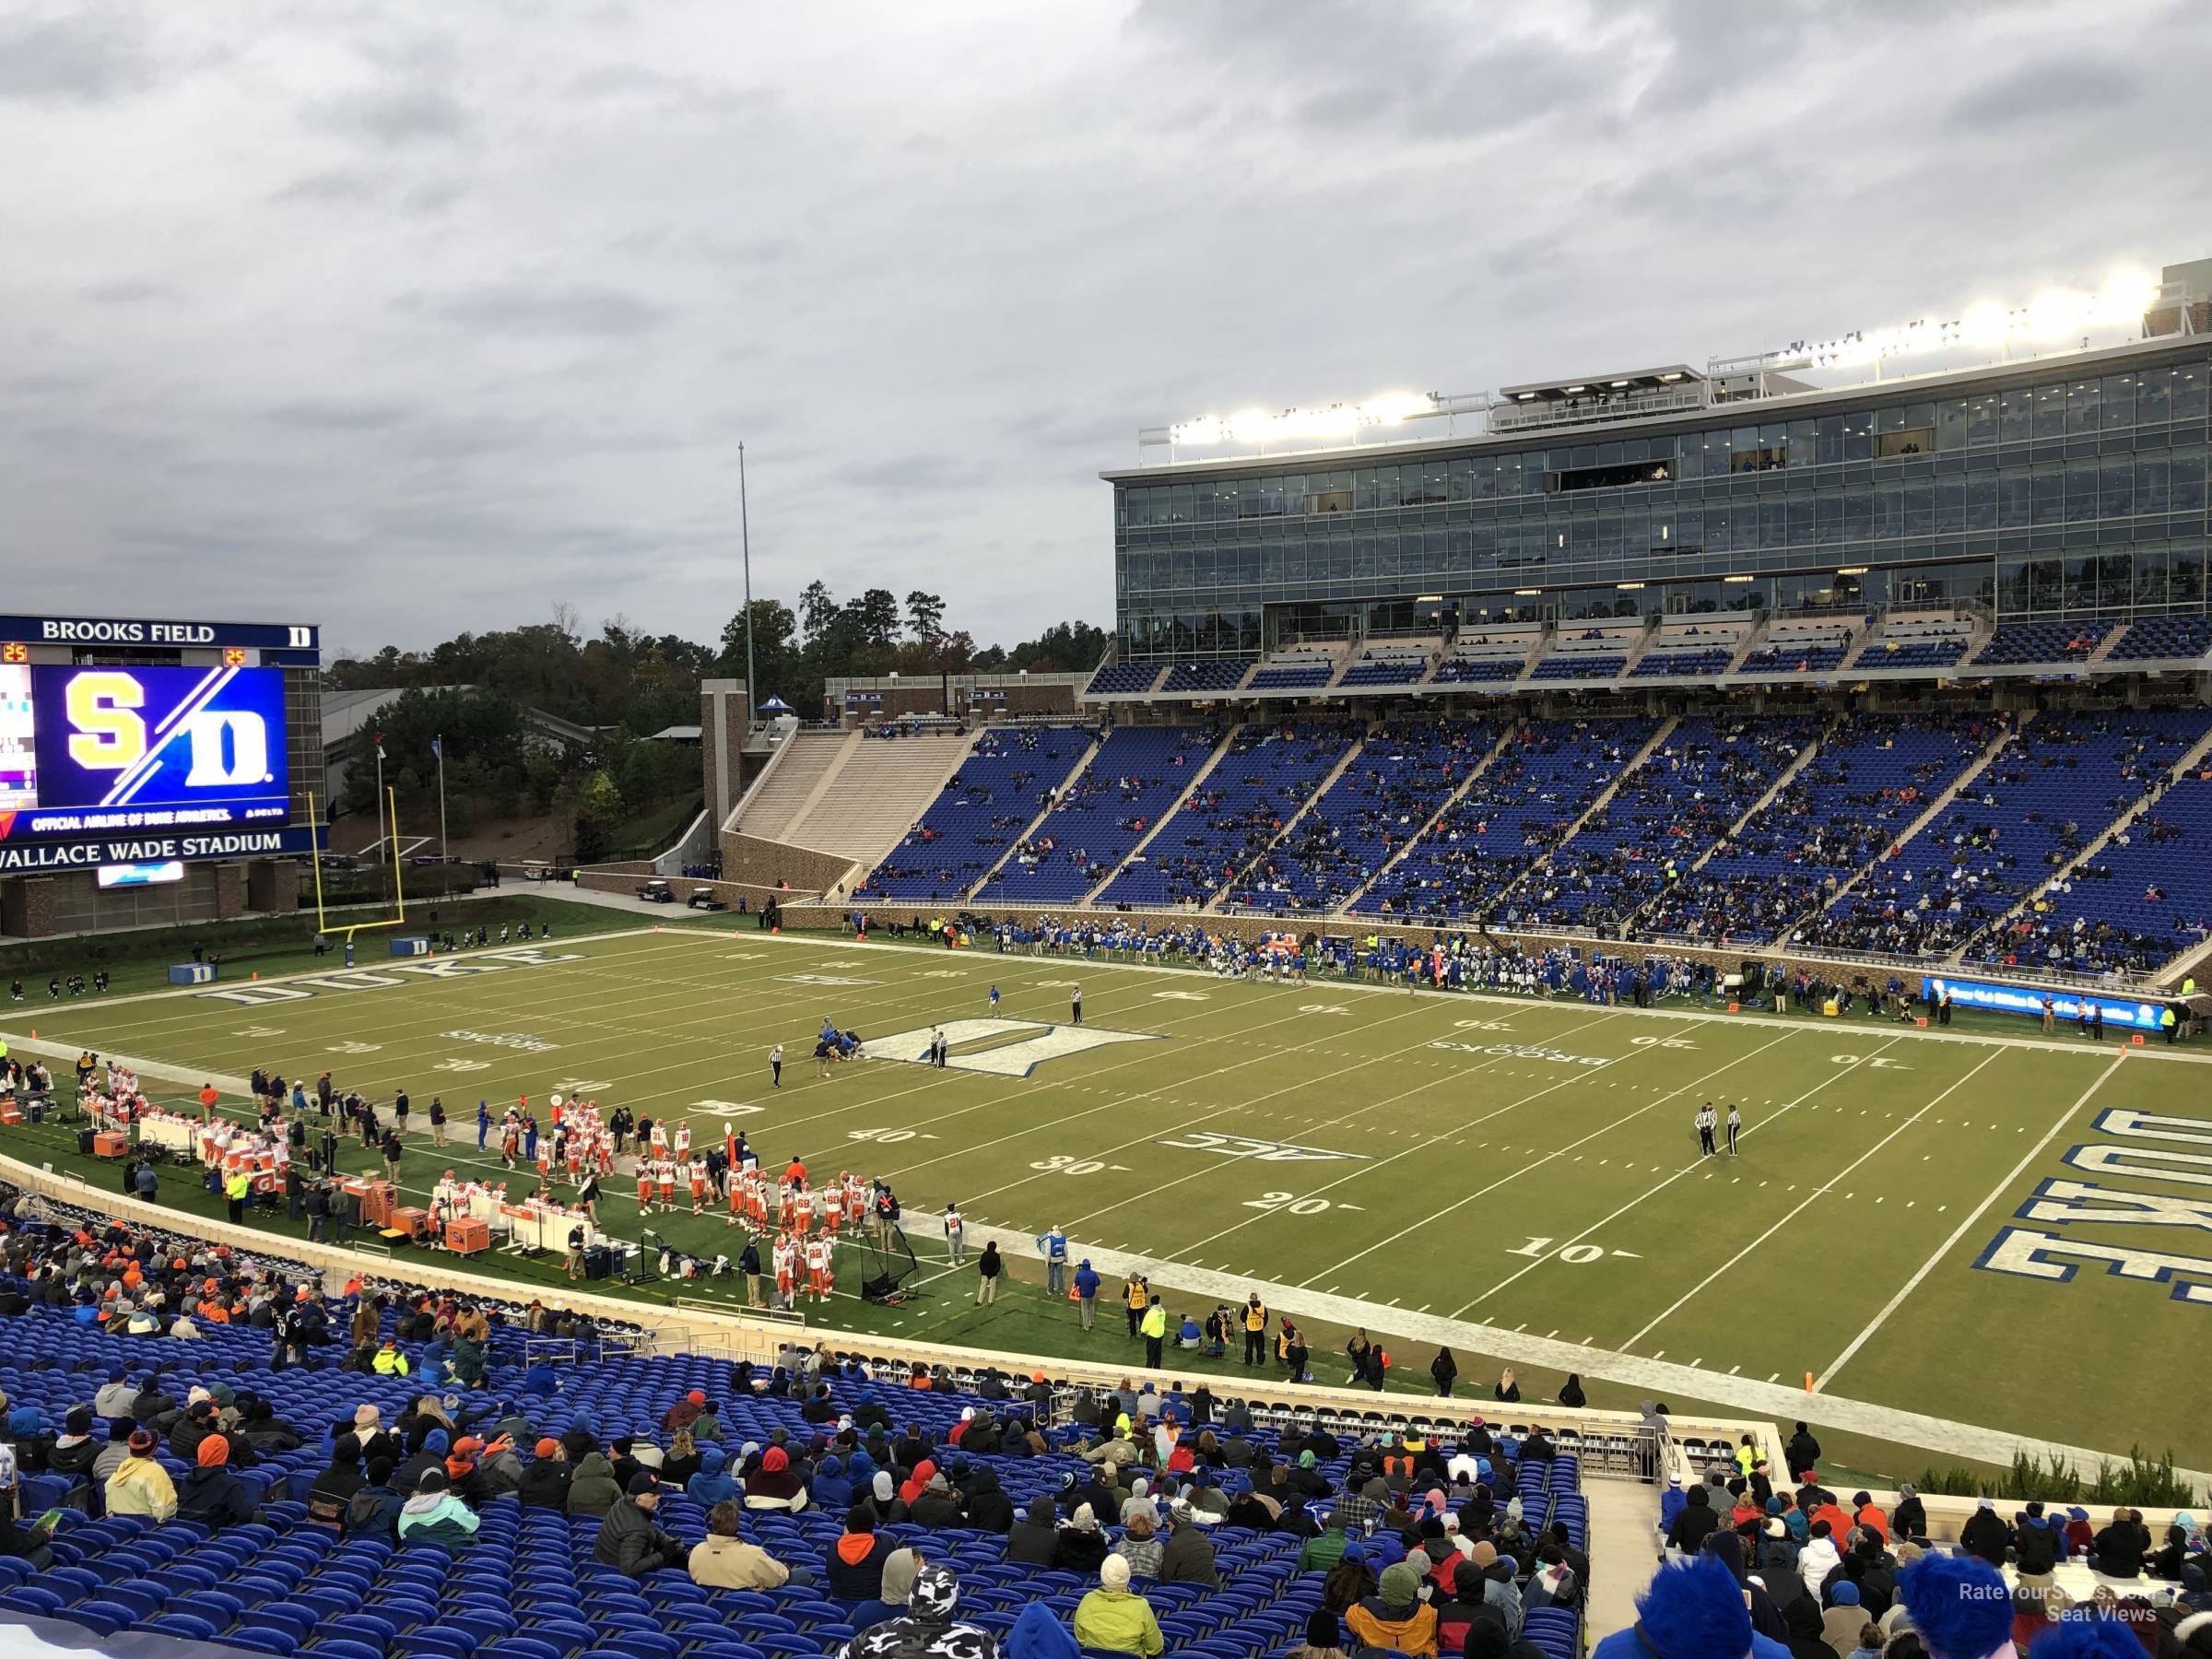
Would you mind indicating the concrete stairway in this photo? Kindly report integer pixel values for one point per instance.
(1098, 741)
(1165, 818)
(2197, 756)
(863, 807)
(1990, 751)
(1504, 741)
(1605, 799)
(794, 776)
(1297, 818)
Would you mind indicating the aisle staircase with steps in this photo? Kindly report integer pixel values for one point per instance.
(1304, 810)
(1197, 778)
(1604, 799)
(1996, 747)
(1505, 737)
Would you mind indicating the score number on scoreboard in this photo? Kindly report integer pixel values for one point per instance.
(96, 750)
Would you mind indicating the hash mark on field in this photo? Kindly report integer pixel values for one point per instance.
(1549, 1335)
(1775, 1378)
(1734, 1368)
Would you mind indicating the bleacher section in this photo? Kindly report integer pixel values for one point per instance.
(1379, 801)
(1492, 657)
(1004, 783)
(1267, 774)
(1387, 666)
(1134, 778)
(1213, 674)
(527, 1585)
(2053, 791)
(1544, 781)
(1917, 642)
(1295, 670)
(2140, 902)
(1699, 650)
(2163, 639)
(1800, 648)
(2024, 642)
(1122, 679)
(1873, 776)
(1690, 791)
(804, 759)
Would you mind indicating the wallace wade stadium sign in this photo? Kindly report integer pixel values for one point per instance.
(37, 857)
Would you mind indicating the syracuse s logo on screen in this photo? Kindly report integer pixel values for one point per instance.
(229, 748)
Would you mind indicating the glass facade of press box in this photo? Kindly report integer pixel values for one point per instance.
(2023, 489)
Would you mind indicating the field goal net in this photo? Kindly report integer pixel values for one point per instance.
(891, 1264)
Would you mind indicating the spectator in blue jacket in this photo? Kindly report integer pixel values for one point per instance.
(1086, 1293)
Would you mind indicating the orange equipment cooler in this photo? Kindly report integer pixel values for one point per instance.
(414, 1222)
(379, 1199)
(112, 1143)
(468, 1236)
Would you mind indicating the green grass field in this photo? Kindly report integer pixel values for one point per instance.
(1518, 1177)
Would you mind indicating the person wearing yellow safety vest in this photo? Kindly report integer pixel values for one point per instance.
(1154, 1327)
(1255, 1331)
(236, 1185)
(390, 1361)
(1135, 1294)
(2169, 1022)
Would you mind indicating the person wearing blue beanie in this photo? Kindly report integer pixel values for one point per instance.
(1691, 1609)
(1958, 1603)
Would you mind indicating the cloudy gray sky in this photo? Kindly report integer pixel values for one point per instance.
(409, 318)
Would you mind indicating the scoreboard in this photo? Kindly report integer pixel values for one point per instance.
(89, 750)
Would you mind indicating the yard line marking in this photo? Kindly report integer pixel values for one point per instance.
(1946, 1248)
(1841, 1071)
(1809, 1199)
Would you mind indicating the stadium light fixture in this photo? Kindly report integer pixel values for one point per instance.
(1526, 592)
(1627, 587)
(2121, 302)
(1853, 570)
(1338, 420)
(1740, 579)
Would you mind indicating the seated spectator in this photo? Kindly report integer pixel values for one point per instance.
(1139, 1548)
(685, 1412)
(1188, 1558)
(1396, 1617)
(1324, 1637)
(1081, 1546)
(545, 1482)
(141, 1485)
(1033, 1539)
(683, 1459)
(74, 1449)
(937, 1505)
(213, 1493)
(591, 1486)
(723, 1560)
(629, 1540)
(775, 1485)
(890, 1602)
(712, 1483)
(1112, 1618)
(435, 1514)
(856, 1561)
(928, 1630)
(373, 1511)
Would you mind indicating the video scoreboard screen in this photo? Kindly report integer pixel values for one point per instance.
(89, 751)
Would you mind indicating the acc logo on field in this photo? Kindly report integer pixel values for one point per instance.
(999, 1047)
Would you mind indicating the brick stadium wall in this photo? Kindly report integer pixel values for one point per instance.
(1040, 699)
(751, 860)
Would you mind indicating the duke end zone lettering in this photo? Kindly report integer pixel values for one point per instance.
(156, 849)
(398, 973)
(2028, 1252)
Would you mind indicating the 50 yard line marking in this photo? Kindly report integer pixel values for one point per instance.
(1945, 1249)
(1809, 1199)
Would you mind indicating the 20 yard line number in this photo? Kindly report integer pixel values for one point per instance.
(1290, 1203)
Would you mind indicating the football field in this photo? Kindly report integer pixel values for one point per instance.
(1969, 1231)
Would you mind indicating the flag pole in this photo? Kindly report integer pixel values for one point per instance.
(382, 851)
(438, 748)
(744, 535)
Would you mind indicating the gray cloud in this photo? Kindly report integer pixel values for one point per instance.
(521, 308)
(401, 313)
(2041, 90)
(78, 55)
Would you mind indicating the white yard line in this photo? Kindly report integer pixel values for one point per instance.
(1928, 1266)
(1811, 1198)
